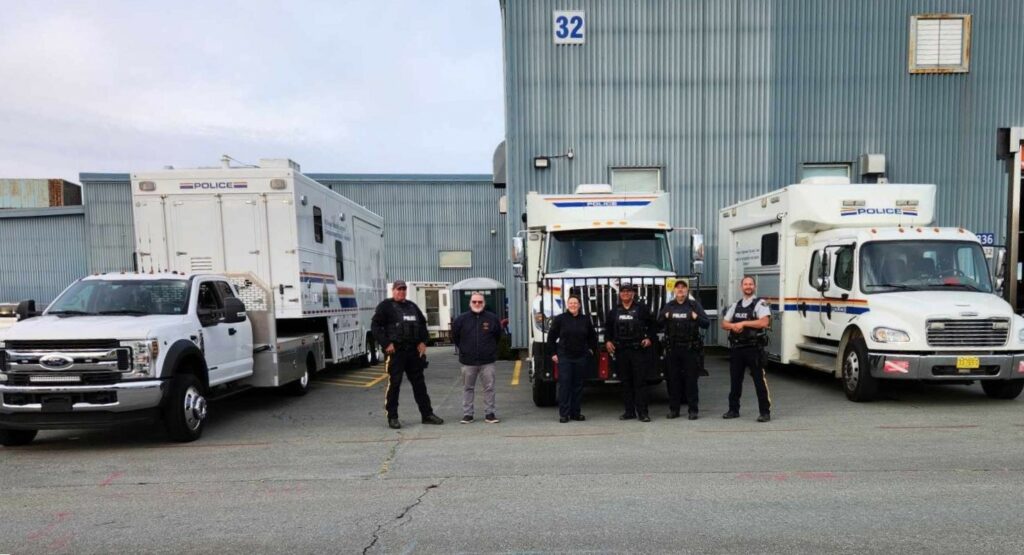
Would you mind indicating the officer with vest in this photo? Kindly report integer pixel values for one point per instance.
(747, 322)
(399, 325)
(629, 328)
(681, 319)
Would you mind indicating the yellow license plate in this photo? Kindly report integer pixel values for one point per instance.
(967, 363)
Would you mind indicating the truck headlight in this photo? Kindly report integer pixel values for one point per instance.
(889, 335)
(144, 355)
(1020, 335)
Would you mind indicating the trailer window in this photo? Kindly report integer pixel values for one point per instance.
(769, 249)
(339, 261)
(844, 268)
(318, 225)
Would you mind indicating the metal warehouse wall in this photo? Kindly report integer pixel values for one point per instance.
(108, 217)
(425, 214)
(730, 97)
(41, 252)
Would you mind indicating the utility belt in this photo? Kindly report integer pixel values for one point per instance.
(747, 342)
(404, 345)
(693, 344)
(628, 345)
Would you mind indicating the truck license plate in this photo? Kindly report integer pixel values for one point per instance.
(964, 364)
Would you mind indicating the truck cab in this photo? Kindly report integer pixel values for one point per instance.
(588, 244)
(124, 347)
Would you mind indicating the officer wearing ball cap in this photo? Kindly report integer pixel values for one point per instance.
(628, 332)
(681, 319)
(400, 325)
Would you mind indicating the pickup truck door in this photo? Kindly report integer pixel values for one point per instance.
(221, 340)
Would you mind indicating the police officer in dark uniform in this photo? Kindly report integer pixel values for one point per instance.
(681, 319)
(628, 332)
(399, 325)
(747, 323)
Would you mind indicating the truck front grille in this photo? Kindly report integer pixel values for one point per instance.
(62, 345)
(598, 295)
(968, 333)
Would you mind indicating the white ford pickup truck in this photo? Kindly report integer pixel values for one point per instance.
(120, 348)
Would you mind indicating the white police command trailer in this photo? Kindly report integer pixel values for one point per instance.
(862, 285)
(270, 227)
(435, 300)
(588, 244)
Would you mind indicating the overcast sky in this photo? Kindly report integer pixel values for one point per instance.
(378, 86)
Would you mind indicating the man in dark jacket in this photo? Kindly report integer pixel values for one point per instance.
(629, 328)
(401, 328)
(682, 318)
(476, 334)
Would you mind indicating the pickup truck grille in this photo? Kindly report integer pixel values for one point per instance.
(968, 333)
(29, 357)
(63, 345)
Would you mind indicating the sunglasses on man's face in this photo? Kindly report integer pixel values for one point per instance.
(476, 302)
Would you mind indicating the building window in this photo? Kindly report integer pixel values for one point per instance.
(940, 43)
(318, 225)
(825, 172)
(339, 261)
(636, 180)
(456, 259)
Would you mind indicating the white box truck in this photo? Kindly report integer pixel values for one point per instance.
(435, 300)
(587, 244)
(863, 286)
(250, 275)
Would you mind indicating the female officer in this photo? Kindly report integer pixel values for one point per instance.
(573, 338)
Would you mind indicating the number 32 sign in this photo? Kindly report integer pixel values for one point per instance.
(569, 27)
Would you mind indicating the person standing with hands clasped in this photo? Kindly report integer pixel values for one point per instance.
(682, 318)
(400, 326)
(476, 334)
(573, 339)
(628, 331)
(747, 322)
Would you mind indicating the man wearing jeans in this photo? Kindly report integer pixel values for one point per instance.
(476, 334)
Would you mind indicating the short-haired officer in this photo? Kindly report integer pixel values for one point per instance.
(629, 328)
(747, 322)
(400, 326)
(681, 319)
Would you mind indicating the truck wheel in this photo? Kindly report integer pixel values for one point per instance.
(1003, 389)
(858, 383)
(185, 411)
(14, 438)
(544, 394)
(301, 386)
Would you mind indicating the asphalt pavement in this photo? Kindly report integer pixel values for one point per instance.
(929, 469)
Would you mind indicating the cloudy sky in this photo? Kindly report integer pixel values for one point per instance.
(344, 86)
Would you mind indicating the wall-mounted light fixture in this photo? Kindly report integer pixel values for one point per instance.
(544, 162)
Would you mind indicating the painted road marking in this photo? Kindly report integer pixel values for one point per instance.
(515, 372)
(356, 378)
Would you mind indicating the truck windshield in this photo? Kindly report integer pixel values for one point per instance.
(887, 266)
(131, 297)
(631, 248)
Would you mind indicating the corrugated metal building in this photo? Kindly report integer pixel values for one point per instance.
(731, 98)
(38, 193)
(40, 252)
(110, 241)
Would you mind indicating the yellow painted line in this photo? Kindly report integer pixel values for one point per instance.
(381, 378)
(515, 372)
(344, 383)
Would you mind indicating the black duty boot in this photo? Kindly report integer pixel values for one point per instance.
(627, 416)
(394, 424)
(673, 414)
(692, 415)
(433, 419)
(764, 418)
(645, 418)
(731, 414)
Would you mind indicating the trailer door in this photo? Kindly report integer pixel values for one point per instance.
(194, 231)
(150, 233)
(245, 235)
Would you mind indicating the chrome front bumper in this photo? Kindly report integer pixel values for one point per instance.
(128, 396)
(942, 367)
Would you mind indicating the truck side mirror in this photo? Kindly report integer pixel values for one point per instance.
(517, 271)
(999, 268)
(821, 283)
(26, 310)
(697, 253)
(518, 250)
(234, 310)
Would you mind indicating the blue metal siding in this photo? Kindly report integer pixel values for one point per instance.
(730, 97)
(41, 252)
(110, 237)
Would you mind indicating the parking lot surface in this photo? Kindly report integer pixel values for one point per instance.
(929, 469)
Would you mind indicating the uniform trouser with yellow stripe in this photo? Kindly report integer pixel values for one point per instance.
(741, 359)
(407, 363)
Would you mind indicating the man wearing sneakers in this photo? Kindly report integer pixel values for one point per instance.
(476, 334)
(747, 322)
(399, 325)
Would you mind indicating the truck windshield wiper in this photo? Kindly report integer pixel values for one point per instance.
(964, 285)
(70, 313)
(893, 285)
(126, 312)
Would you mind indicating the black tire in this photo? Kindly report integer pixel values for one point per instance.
(301, 386)
(185, 411)
(1003, 389)
(15, 438)
(858, 383)
(544, 394)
